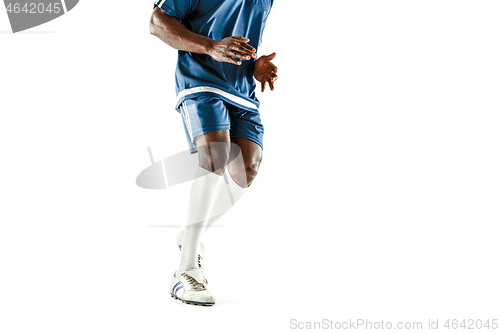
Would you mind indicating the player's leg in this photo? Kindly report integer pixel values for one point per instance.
(244, 153)
(213, 154)
(242, 169)
(244, 173)
(207, 124)
(246, 134)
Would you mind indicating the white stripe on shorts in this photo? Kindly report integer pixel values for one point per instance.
(188, 121)
(236, 99)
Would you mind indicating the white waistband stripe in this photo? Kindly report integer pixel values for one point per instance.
(236, 99)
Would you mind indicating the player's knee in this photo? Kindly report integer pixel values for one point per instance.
(251, 170)
(214, 158)
(220, 160)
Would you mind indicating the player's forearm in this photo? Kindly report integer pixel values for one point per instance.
(175, 34)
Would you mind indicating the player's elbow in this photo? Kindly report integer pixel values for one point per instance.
(155, 21)
(152, 26)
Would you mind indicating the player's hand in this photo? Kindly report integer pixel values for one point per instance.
(265, 71)
(232, 47)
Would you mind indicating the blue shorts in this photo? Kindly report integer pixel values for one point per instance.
(208, 113)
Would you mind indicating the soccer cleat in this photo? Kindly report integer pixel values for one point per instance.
(189, 288)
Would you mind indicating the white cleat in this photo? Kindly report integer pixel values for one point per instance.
(189, 288)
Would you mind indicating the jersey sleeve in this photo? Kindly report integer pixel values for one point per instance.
(177, 8)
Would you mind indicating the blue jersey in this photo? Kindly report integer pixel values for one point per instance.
(198, 74)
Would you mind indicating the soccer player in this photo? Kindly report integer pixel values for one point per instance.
(217, 42)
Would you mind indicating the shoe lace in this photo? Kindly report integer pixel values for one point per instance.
(195, 285)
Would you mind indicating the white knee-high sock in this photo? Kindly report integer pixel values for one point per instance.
(228, 195)
(201, 201)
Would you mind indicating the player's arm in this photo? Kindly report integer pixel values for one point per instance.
(171, 31)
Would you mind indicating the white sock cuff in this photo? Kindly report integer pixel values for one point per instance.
(202, 172)
(233, 185)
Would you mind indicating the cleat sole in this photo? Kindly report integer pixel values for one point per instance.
(192, 302)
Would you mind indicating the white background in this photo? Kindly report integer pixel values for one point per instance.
(378, 197)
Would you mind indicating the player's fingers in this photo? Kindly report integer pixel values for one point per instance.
(244, 42)
(241, 51)
(271, 56)
(245, 47)
(239, 55)
(263, 86)
(270, 76)
(274, 68)
(241, 38)
(232, 61)
(271, 84)
(241, 48)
